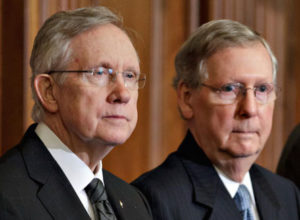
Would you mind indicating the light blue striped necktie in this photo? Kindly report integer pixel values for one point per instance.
(243, 202)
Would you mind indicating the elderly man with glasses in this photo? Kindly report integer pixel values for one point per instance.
(226, 88)
(85, 83)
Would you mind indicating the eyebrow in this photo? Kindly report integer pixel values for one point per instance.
(108, 65)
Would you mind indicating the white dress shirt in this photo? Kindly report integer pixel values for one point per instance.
(77, 172)
(232, 188)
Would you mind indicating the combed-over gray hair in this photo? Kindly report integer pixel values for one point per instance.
(206, 41)
(51, 46)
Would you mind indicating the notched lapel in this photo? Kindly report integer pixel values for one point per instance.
(267, 203)
(55, 192)
(119, 205)
(122, 207)
(210, 192)
(61, 201)
(224, 206)
(125, 200)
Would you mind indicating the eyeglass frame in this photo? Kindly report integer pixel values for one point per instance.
(243, 90)
(110, 71)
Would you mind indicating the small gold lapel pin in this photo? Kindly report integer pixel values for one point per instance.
(121, 204)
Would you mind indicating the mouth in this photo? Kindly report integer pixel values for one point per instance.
(245, 132)
(116, 117)
(241, 131)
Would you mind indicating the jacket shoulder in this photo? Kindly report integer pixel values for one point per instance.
(279, 191)
(165, 175)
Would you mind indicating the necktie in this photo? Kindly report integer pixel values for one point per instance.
(243, 202)
(97, 195)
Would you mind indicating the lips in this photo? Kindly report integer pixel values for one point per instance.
(116, 117)
(243, 131)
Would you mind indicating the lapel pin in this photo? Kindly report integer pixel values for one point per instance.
(121, 204)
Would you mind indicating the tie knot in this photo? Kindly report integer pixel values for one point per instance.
(242, 198)
(95, 191)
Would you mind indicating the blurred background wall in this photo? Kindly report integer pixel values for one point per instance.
(160, 27)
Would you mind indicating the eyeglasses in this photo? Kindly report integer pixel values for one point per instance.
(102, 76)
(228, 93)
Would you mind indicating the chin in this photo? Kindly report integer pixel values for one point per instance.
(243, 153)
(242, 150)
(116, 139)
(107, 139)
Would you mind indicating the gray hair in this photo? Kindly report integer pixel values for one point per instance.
(51, 49)
(206, 41)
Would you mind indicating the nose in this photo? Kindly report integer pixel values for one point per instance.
(119, 93)
(248, 104)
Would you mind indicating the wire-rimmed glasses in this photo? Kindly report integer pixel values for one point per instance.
(102, 76)
(228, 93)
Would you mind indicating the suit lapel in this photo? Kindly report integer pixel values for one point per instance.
(117, 198)
(266, 201)
(124, 199)
(61, 200)
(119, 205)
(209, 191)
(55, 192)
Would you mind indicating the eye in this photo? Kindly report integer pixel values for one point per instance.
(229, 88)
(130, 75)
(110, 71)
(101, 71)
(264, 88)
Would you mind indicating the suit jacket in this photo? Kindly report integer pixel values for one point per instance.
(187, 187)
(289, 166)
(33, 186)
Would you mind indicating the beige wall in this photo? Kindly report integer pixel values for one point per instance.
(161, 26)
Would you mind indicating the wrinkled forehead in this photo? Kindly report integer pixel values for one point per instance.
(218, 47)
(104, 44)
(240, 62)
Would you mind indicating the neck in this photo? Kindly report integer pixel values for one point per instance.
(235, 169)
(90, 152)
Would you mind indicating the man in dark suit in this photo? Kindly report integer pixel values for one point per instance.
(85, 85)
(289, 165)
(226, 88)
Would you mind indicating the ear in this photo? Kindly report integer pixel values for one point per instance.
(44, 86)
(184, 94)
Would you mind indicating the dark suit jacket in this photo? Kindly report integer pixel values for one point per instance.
(33, 186)
(289, 165)
(187, 187)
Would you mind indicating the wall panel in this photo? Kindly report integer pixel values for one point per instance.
(1, 19)
(159, 27)
(12, 64)
(176, 29)
(292, 79)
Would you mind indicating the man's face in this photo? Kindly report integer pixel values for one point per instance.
(92, 113)
(240, 129)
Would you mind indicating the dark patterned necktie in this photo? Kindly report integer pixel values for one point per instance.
(243, 202)
(97, 195)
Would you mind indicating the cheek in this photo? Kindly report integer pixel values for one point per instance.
(222, 120)
(214, 124)
(66, 100)
(266, 118)
(80, 103)
(133, 109)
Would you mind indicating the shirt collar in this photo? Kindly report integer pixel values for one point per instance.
(232, 186)
(77, 172)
